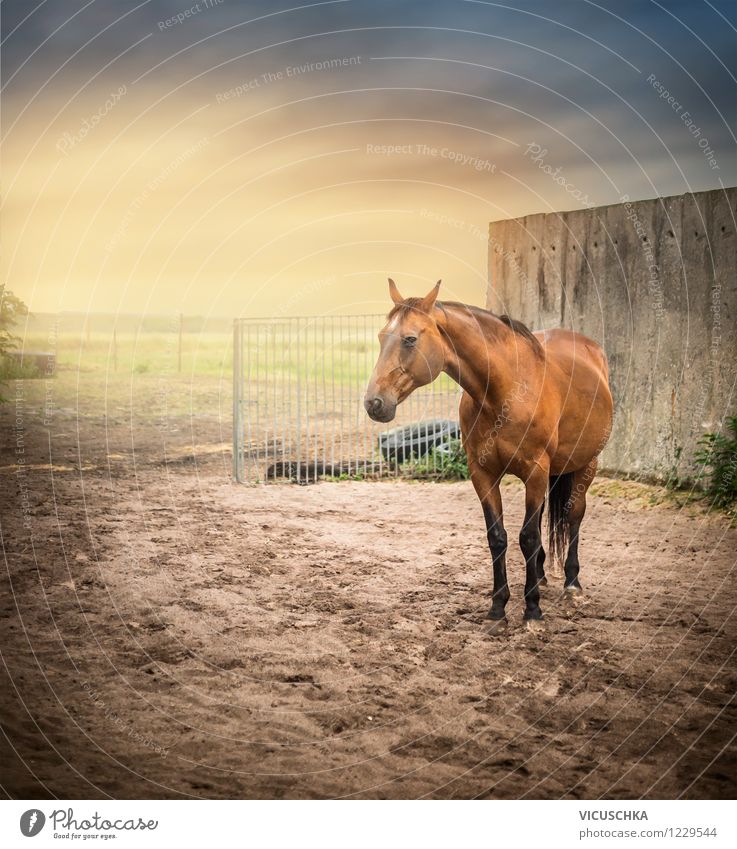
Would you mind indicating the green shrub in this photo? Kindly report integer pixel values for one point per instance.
(12, 309)
(11, 369)
(443, 463)
(717, 458)
(672, 479)
(344, 476)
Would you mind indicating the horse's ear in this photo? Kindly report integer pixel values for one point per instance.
(394, 292)
(428, 302)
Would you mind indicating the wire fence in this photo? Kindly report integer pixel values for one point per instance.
(124, 337)
(298, 387)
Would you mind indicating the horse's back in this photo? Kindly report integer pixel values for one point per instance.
(567, 346)
(564, 410)
(578, 374)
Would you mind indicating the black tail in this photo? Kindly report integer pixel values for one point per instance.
(560, 488)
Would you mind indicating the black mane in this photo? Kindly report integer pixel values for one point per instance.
(521, 329)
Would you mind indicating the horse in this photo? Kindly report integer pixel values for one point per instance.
(534, 405)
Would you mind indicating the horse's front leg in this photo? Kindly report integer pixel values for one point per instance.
(497, 538)
(542, 580)
(487, 489)
(530, 541)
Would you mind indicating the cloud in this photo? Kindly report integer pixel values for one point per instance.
(284, 113)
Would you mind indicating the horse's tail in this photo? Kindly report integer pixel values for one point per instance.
(560, 488)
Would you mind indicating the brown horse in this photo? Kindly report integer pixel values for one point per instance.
(535, 405)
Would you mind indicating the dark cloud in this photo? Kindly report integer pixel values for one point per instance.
(572, 76)
(287, 105)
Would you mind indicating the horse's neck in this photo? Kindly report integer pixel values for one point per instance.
(479, 355)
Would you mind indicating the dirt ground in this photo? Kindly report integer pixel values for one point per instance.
(166, 633)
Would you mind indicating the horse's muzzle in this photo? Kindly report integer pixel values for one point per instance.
(379, 410)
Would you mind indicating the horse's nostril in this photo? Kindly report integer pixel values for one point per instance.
(374, 405)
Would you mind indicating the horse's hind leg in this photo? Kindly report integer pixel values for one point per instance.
(530, 541)
(581, 482)
(542, 581)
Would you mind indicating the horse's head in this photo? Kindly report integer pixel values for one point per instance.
(412, 354)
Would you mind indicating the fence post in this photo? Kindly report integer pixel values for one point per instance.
(295, 404)
(237, 386)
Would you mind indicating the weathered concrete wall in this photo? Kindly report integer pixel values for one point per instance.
(655, 282)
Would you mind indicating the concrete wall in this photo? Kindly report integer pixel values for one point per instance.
(655, 282)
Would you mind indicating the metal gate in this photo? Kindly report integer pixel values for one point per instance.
(298, 386)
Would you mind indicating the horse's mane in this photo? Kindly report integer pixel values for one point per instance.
(521, 330)
(513, 324)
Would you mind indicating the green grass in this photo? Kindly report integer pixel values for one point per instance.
(139, 373)
(440, 465)
(156, 353)
(11, 369)
(135, 375)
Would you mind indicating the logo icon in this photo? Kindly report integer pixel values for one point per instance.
(31, 822)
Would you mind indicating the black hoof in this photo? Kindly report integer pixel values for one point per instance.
(573, 591)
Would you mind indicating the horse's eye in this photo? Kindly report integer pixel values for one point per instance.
(409, 341)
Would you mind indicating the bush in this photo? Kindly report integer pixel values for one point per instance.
(12, 309)
(717, 458)
(11, 369)
(445, 462)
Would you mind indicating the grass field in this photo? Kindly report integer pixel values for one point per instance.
(135, 374)
(156, 372)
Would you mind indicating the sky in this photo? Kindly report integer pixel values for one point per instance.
(265, 158)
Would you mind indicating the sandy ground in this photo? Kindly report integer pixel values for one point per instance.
(166, 633)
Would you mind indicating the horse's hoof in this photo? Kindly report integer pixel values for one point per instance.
(537, 626)
(496, 627)
(572, 592)
(542, 582)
